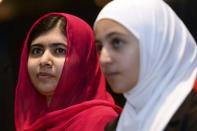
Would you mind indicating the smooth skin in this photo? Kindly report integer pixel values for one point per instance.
(46, 61)
(119, 55)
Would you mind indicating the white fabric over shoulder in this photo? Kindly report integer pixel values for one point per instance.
(168, 62)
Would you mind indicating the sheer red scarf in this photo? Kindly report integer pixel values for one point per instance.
(80, 97)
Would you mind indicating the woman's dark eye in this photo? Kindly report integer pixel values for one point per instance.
(60, 51)
(36, 51)
(116, 43)
(99, 47)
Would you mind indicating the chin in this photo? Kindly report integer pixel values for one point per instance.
(47, 93)
(46, 90)
(117, 90)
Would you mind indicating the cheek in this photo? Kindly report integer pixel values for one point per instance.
(133, 58)
(60, 66)
(31, 67)
(132, 67)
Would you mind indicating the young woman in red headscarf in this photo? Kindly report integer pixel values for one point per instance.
(60, 84)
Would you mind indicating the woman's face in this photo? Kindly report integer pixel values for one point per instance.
(46, 60)
(119, 55)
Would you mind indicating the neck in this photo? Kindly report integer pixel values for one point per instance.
(48, 99)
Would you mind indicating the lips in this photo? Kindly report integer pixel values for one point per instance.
(45, 75)
(111, 74)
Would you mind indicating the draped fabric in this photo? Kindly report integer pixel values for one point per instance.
(168, 62)
(195, 85)
(80, 100)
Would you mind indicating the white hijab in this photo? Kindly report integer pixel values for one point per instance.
(168, 62)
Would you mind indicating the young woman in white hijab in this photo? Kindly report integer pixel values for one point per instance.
(147, 53)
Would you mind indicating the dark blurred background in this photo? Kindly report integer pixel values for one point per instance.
(16, 17)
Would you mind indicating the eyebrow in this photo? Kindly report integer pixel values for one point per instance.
(50, 45)
(58, 44)
(114, 33)
(110, 35)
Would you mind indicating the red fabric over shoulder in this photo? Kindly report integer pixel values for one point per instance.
(80, 101)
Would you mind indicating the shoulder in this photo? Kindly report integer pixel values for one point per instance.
(94, 118)
(102, 114)
(185, 118)
(111, 126)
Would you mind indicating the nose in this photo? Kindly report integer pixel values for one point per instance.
(46, 59)
(105, 56)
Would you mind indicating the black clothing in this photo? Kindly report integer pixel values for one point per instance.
(185, 119)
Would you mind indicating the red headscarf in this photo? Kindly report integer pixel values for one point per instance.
(195, 85)
(80, 101)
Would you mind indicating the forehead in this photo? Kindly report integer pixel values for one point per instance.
(105, 26)
(52, 36)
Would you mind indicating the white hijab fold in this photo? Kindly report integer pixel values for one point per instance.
(168, 62)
